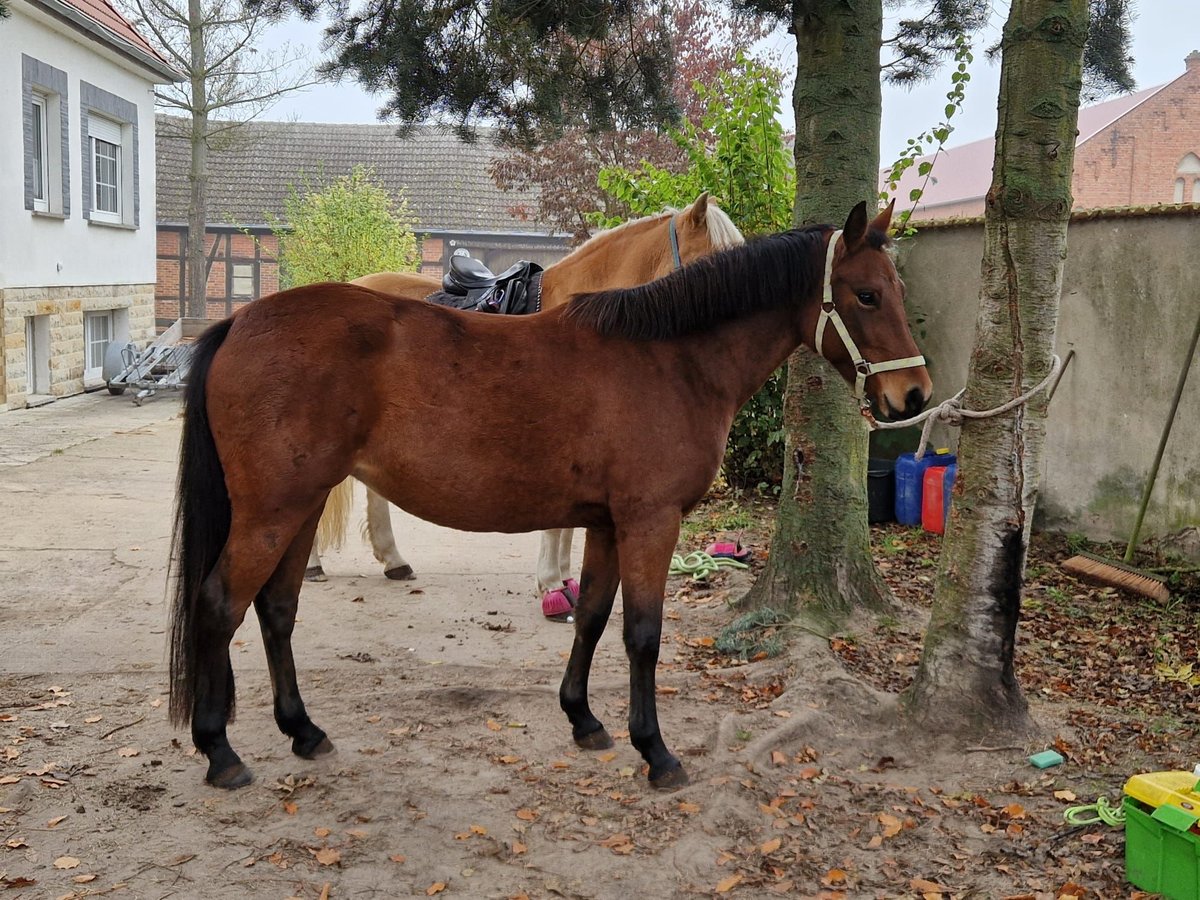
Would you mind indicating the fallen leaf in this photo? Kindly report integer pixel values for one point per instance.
(356, 833)
(690, 808)
(607, 757)
(1065, 795)
(518, 848)
(891, 825)
(128, 751)
(66, 862)
(771, 846)
(436, 888)
(725, 885)
(1014, 811)
(15, 843)
(156, 702)
(478, 829)
(55, 821)
(290, 808)
(327, 856)
(509, 759)
(779, 758)
(321, 832)
(920, 884)
(92, 720)
(834, 876)
(527, 815)
(492, 725)
(398, 857)
(9, 779)
(83, 879)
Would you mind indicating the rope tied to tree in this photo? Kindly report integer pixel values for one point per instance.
(952, 413)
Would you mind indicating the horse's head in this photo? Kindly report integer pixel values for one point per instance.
(700, 228)
(861, 327)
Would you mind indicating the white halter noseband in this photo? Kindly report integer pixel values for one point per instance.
(829, 313)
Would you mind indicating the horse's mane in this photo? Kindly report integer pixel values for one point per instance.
(722, 232)
(764, 273)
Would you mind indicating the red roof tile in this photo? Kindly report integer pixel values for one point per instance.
(105, 14)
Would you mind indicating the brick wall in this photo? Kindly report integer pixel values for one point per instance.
(1133, 162)
(259, 251)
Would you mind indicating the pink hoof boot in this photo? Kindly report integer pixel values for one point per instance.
(559, 605)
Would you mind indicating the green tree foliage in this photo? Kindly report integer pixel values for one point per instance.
(529, 67)
(351, 228)
(745, 165)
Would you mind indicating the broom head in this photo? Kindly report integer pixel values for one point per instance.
(1105, 571)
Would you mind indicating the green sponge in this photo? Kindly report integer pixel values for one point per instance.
(1046, 759)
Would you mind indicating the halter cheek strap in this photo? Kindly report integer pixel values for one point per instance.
(674, 243)
(829, 313)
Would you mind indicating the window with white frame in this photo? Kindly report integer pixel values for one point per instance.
(104, 139)
(97, 333)
(243, 281)
(41, 153)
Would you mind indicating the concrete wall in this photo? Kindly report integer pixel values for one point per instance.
(1131, 295)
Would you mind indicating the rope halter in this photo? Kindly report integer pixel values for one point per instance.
(862, 368)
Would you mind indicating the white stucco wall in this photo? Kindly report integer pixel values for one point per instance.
(49, 252)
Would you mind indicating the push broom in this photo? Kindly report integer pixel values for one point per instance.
(1122, 574)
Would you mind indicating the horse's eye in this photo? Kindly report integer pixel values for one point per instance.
(868, 298)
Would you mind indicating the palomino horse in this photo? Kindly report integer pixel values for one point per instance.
(625, 256)
(300, 389)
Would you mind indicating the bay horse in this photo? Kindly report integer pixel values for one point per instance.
(300, 389)
(625, 256)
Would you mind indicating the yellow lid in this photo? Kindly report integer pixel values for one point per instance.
(1159, 789)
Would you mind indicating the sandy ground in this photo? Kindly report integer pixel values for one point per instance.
(455, 772)
(454, 768)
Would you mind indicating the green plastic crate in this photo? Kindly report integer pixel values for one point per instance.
(1162, 841)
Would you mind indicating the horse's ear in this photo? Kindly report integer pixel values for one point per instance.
(855, 228)
(883, 221)
(698, 210)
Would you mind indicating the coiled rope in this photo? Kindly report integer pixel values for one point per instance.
(1095, 813)
(951, 411)
(700, 565)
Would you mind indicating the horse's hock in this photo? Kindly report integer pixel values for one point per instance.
(1129, 298)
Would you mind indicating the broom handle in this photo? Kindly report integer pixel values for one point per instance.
(1162, 444)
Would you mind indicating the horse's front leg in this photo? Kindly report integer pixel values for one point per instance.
(596, 592)
(383, 542)
(645, 557)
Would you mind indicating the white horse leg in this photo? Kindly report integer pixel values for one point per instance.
(554, 559)
(314, 570)
(383, 542)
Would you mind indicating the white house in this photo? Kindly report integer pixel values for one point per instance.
(77, 220)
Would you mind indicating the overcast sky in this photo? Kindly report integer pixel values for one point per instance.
(1160, 43)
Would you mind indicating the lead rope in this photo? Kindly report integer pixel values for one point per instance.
(951, 411)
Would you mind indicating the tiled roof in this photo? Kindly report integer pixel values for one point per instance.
(445, 179)
(965, 172)
(104, 13)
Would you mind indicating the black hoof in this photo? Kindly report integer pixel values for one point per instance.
(597, 740)
(670, 779)
(312, 748)
(314, 573)
(234, 776)
(400, 573)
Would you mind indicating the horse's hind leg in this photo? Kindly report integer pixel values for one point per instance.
(245, 565)
(645, 554)
(276, 607)
(597, 589)
(383, 542)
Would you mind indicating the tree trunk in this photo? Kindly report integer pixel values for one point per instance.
(197, 271)
(820, 556)
(966, 683)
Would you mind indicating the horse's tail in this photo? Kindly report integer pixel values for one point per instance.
(335, 520)
(202, 515)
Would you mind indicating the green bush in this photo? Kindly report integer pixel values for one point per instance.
(739, 156)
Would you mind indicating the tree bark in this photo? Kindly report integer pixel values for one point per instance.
(820, 556)
(197, 271)
(966, 682)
